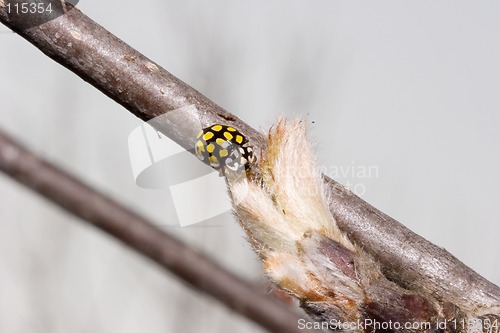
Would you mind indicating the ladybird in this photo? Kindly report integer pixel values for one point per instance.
(223, 146)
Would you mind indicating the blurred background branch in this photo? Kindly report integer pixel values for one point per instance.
(142, 236)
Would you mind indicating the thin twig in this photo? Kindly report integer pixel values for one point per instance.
(144, 237)
(147, 90)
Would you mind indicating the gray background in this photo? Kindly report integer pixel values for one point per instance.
(408, 87)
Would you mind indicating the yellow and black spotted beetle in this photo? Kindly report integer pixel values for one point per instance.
(223, 146)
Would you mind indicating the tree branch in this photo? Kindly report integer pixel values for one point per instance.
(147, 90)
